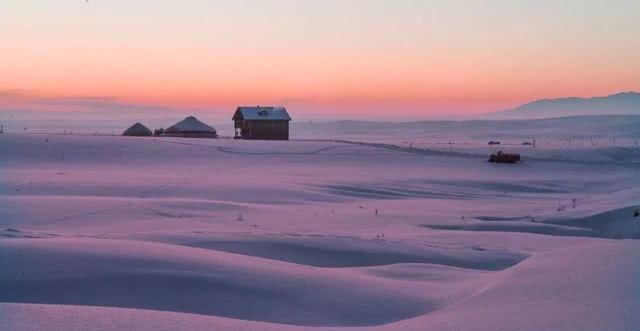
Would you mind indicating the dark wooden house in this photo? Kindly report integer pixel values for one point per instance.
(264, 123)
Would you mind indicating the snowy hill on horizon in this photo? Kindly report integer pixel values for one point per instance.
(622, 126)
(625, 103)
(580, 125)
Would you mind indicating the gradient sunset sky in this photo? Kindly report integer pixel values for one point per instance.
(339, 58)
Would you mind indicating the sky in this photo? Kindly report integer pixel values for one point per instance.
(382, 59)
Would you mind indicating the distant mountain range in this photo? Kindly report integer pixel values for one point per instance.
(627, 103)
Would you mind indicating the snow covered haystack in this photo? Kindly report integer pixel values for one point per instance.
(191, 127)
(138, 130)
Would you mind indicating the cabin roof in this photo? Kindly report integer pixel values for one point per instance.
(190, 124)
(262, 114)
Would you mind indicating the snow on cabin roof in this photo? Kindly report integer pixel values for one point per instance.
(190, 124)
(262, 113)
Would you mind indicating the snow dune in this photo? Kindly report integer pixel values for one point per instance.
(143, 275)
(546, 292)
(354, 252)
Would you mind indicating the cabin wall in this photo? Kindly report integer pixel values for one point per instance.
(264, 130)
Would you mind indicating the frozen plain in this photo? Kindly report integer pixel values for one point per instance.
(114, 233)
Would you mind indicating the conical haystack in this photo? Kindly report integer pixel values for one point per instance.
(138, 130)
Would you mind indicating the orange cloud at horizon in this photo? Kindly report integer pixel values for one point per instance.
(331, 79)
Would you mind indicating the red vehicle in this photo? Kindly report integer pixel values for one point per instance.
(501, 157)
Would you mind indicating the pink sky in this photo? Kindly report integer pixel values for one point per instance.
(417, 58)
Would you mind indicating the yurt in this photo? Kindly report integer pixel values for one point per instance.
(138, 130)
(191, 127)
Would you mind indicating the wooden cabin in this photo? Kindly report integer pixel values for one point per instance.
(262, 123)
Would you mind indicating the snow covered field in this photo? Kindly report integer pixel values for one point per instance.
(115, 233)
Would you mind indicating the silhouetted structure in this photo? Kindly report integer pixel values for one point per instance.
(191, 127)
(501, 157)
(264, 123)
(138, 130)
